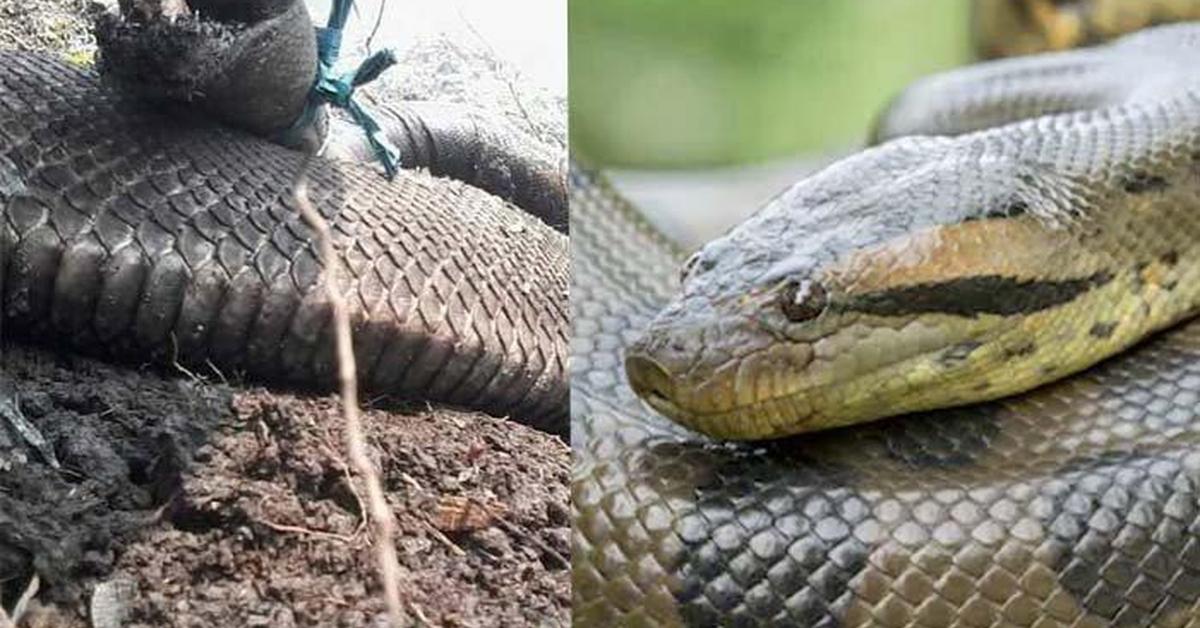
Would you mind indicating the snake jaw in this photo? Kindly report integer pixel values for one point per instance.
(651, 381)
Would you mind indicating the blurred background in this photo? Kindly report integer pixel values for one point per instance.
(509, 58)
(702, 110)
(686, 83)
(526, 34)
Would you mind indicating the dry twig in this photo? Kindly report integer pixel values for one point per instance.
(356, 446)
(291, 529)
(378, 22)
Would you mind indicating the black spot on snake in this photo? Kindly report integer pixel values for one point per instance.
(1010, 209)
(948, 439)
(1102, 330)
(958, 352)
(1016, 208)
(973, 296)
(1020, 351)
(1138, 280)
(1140, 182)
(1170, 258)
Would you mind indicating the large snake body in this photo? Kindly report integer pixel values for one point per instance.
(140, 234)
(1077, 504)
(250, 64)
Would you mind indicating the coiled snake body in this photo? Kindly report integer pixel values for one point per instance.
(1076, 504)
(138, 234)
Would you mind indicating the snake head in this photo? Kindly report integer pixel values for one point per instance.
(905, 278)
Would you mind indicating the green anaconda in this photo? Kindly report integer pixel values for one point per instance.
(1073, 187)
(141, 234)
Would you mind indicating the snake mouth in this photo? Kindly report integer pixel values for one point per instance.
(775, 393)
(654, 384)
(650, 379)
(765, 420)
(762, 419)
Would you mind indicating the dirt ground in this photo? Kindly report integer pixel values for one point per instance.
(174, 498)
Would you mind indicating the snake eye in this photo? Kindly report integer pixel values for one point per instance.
(802, 300)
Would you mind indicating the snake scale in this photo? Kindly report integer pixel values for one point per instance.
(137, 233)
(1075, 504)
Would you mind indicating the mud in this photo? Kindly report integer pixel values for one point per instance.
(203, 503)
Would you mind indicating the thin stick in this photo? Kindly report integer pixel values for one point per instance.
(378, 21)
(320, 534)
(356, 446)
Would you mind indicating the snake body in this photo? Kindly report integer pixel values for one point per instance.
(138, 234)
(468, 145)
(1076, 504)
(250, 64)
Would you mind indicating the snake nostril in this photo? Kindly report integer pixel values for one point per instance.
(648, 378)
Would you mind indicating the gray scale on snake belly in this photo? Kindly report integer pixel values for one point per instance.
(1077, 504)
(140, 232)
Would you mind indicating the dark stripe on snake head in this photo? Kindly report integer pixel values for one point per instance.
(972, 296)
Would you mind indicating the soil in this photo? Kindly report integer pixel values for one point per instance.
(200, 503)
(48, 25)
(165, 497)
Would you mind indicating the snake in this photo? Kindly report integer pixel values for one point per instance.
(166, 230)
(1002, 28)
(1010, 268)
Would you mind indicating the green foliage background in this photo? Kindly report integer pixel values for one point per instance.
(689, 83)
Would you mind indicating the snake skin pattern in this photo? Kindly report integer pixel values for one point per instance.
(468, 145)
(250, 64)
(1077, 504)
(131, 234)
